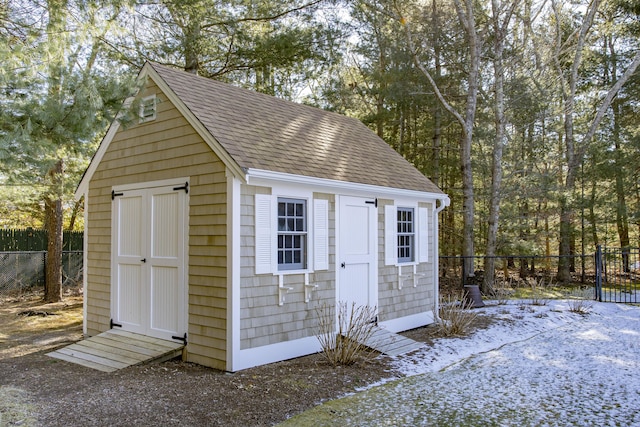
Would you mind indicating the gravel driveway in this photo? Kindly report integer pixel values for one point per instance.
(584, 372)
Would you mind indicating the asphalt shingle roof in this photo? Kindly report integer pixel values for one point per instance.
(263, 132)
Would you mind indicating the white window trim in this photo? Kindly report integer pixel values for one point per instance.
(144, 102)
(304, 246)
(414, 234)
(266, 232)
(421, 233)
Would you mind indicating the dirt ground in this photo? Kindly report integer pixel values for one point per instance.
(41, 391)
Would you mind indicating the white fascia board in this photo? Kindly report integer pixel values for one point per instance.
(265, 178)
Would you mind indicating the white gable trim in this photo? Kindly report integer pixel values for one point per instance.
(148, 72)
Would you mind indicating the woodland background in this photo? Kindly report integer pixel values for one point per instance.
(525, 112)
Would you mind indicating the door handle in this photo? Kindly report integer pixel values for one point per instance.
(143, 260)
(343, 265)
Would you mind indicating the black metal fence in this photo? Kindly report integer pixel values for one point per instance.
(24, 272)
(617, 275)
(612, 273)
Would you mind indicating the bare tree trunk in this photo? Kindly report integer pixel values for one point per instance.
(437, 113)
(592, 213)
(499, 28)
(74, 213)
(573, 156)
(467, 19)
(53, 197)
(466, 16)
(53, 220)
(622, 217)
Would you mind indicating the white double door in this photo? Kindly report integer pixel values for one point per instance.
(148, 260)
(357, 239)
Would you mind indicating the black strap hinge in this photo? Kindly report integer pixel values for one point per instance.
(112, 324)
(114, 194)
(373, 202)
(185, 187)
(183, 339)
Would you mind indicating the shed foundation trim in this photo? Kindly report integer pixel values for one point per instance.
(408, 322)
(249, 358)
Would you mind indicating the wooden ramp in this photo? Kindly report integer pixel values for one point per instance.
(391, 344)
(117, 349)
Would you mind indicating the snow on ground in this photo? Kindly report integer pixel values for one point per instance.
(534, 366)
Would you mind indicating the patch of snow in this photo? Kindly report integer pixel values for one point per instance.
(516, 321)
(534, 366)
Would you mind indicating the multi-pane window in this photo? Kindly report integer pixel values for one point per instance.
(406, 235)
(292, 234)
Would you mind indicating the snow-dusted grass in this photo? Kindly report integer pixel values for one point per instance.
(535, 366)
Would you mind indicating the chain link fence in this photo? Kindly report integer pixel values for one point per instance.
(24, 272)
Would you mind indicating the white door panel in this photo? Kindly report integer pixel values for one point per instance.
(129, 297)
(164, 295)
(165, 261)
(149, 261)
(129, 252)
(165, 227)
(357, 278)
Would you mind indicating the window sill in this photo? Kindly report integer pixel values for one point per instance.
(290, 272)
(404, 264)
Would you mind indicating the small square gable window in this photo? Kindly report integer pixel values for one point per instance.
(148, 109)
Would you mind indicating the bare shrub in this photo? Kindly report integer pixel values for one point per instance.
(454, 316)
(503, 291)
(581, 301)
(355, 326)
(538, 292)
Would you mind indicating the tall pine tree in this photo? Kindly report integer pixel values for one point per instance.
(58, 95)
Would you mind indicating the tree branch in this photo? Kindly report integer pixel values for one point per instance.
(263, 18)
(427, 74)
(606, 103)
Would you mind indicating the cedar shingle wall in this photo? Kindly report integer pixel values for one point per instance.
(393, 302)
(166, 148)
(262, 320)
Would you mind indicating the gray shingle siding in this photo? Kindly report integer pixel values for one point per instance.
(262, 320)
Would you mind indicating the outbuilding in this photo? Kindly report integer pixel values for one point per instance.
(224, 218)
